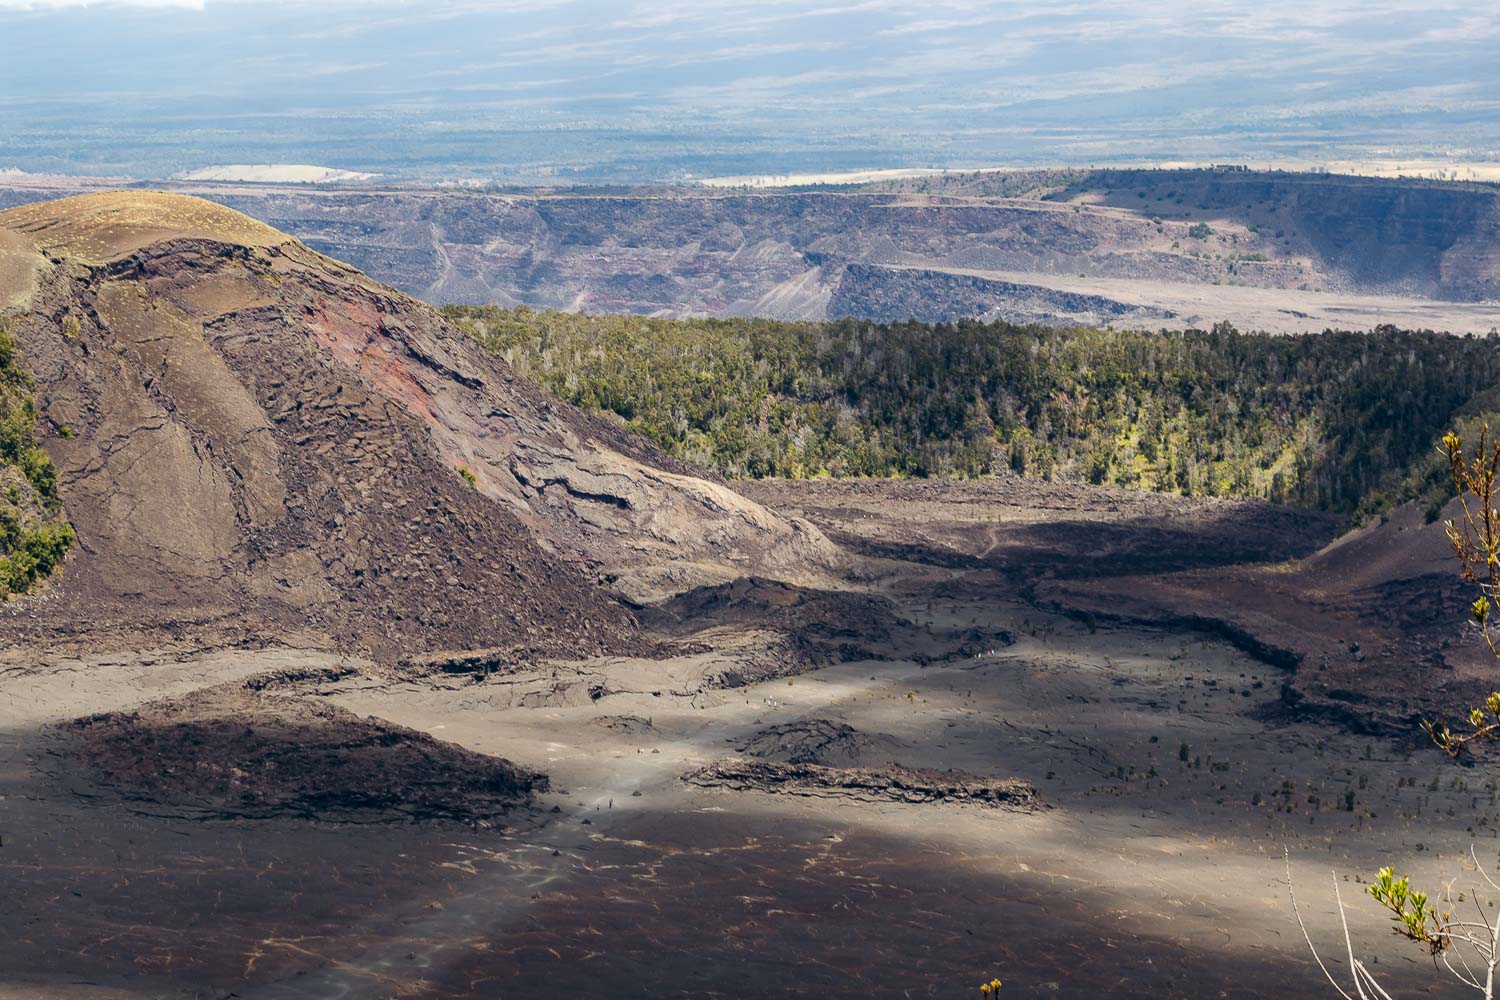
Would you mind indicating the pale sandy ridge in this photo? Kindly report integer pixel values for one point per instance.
(1429, 169)
(275, 173)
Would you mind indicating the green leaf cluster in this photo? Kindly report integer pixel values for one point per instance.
(1409, 907)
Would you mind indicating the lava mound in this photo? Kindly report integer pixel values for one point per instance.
(888, 783)
(625, 725)
(815, 741)
(235, 752)
(826, 615)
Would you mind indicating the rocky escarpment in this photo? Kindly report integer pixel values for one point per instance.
(759, 253)
(784, 254)
(685, 253)
(898, 294)
(263, 442)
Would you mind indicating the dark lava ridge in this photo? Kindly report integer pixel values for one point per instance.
(888, 783)
(235, 752)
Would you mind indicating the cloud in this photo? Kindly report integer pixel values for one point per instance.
(817, 72)
(46, 5)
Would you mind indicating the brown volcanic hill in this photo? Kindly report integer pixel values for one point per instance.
(256, 441)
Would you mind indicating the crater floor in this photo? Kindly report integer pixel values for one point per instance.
(1153, 867)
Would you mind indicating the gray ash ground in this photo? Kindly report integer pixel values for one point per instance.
(1155, 870)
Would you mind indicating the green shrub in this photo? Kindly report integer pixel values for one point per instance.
(33, 537)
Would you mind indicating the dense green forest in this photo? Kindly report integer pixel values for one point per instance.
(1341, 421)
(33, 536)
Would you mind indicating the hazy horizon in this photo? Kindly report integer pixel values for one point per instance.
(658, 91)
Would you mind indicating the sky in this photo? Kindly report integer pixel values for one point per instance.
(639, 90)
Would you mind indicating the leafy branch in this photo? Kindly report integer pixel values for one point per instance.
(1475, 537)
(1417, 918)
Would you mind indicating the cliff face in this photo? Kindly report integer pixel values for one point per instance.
(261, 439)
(1415, 237)
(788, 255)
(697, 254)
(1174, 235)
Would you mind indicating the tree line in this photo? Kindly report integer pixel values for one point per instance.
(1343, 421)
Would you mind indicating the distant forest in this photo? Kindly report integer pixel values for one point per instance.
(1341, 421)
